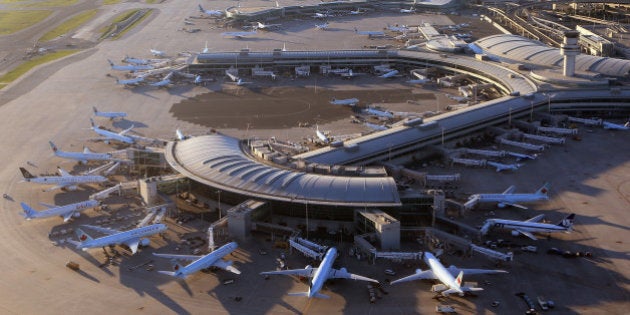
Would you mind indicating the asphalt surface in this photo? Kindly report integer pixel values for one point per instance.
(589, 178)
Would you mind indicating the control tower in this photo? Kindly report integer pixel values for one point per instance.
(569, 49)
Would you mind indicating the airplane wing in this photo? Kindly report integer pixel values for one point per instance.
(515, 205)
(178, 257)
(122, 133)
(101, 229)
(133, 244)
(56, 187)
(528, 234)
(509, 190)
(427, 274)
(226, 265)
(66, 216)
(536, 218)
(344, 274)
(47, 205)
(306, 272)
(455, 271)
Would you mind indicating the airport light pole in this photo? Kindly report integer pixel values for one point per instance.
(219, 203)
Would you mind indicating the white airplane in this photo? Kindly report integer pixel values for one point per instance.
(370, 33)
(264, 26)
(410, 10)
(322, 26)
(239, 35)
(132, 238)
(358, 11)
(319, 275)
(396, 28)
(509, 198)
(139, 61)
(201, 262)
(110, 115)
(65, 180)
(375, 126)
(529, 226)
(389, 74)
(502, 167)
(66, 212)
(321, 15)
(110, 135)
(321, 135)
(129, 67)
(82, 157)
(166, 81)
(521, 156)
(347, 101)
(377, 112)
(417, 81)
(213, 13)
(613, 126)
(157, 53)
(134, 81)
(451, 284)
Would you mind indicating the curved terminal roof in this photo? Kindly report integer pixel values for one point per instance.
(514, 48)
(218, 161)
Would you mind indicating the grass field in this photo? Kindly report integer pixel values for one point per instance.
(13, 21)
(28, 65)
(69, 25)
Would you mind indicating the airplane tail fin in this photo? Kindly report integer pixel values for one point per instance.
(29, 213)
(110, 62)
(544, 189)
(567, 222)
(82, 235)
(460, 278)
(95, 110)
(26, 174)
(53, 146)
(92, 122)
(201, 9)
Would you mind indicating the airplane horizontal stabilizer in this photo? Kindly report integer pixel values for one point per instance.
(451, 291)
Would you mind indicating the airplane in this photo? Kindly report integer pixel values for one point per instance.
(212, 259)
(613, 126)
(263, 26)
(65, 180)
(134, 81)
(322, 26)
(110, 115)
(370, 33)
(410, 10)
(521, 156)
(321, 135)
(396, 28)
(389, 74)
(417, 81)
(379, 113)
(110, 135)
(239, 35)
(157, 53)
(129, 67)
(166, 81)
(508, 198)
(446, 276)
(347, 101)
(180, 135)
(213, 13)
(358, 11)
(139, 61)
(502, 167)
(66, 212)
(350, 74)
(321, 15)
(82, 157)
(319, 275)
(132, 238)
(375, 126)
(530, 226)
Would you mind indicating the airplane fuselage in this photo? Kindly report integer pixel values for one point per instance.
(207, 260)
(113, 136)
(60, 211)
(441, 273)
(509, 198)
(533, 227)
(321, 275)
(122, 237)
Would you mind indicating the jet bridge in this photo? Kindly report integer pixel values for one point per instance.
(304, 249)
(493, 254)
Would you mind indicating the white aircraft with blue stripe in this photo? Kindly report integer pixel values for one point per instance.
(213, 259)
